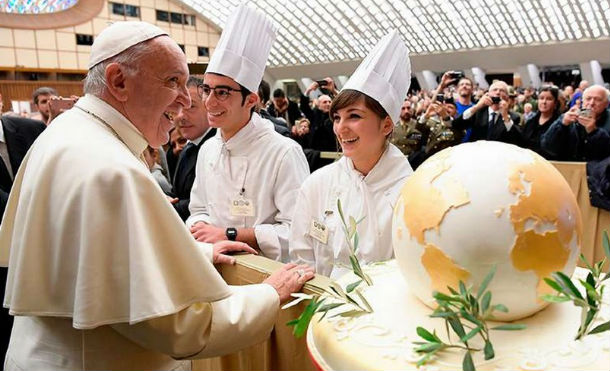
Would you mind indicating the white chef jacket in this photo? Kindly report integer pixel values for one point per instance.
(102, 272)
(372, 196)
(268, 167)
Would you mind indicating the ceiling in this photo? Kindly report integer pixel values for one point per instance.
(331, 32)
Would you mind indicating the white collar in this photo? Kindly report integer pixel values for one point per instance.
(126, 131)
(2, 138)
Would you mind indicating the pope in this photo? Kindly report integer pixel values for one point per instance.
(102, 272)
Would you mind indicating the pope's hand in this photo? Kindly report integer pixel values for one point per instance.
(223, 247)
(208, 233)
(288, 279)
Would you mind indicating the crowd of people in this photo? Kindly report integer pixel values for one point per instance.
(153, 175)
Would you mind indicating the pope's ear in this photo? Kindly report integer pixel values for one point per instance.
(116, 81)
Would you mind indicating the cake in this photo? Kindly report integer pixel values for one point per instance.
(383, 340)
(466, 211)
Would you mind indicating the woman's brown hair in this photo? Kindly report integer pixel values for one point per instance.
(348, 97)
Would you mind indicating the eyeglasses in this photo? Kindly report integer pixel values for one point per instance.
(220, 92)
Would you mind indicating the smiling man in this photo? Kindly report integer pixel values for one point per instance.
(103, 274)
(248, 175)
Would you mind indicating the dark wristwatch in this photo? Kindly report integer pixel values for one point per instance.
(231, 234)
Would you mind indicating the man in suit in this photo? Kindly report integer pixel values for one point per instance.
(16, 136)
(194, 126)
(490, 118)
(284, 108)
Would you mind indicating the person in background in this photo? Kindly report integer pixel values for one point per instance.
(279, 125)
(301, 134)
(151, 155)
(194, 126)
(17, 135)
(578, 93)
(176, 144)
(367, 179)
(41, 98)
(321, 127)
(117, 282)
(409, 135)
(582, 133)
(490, 118)
(528, 111)
(284, 108)
(248, 175)
(539, 123)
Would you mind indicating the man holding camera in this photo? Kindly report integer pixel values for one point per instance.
(581, 134)
(463, 88)
(490, 118)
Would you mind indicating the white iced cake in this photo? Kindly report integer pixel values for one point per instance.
(383, 340)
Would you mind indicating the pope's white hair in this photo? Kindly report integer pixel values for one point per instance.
(130, 59)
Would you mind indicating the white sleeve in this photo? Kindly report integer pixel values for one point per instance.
(203, 330)
(198, 204)
(272, 239)
(467, 114)
(301, 244)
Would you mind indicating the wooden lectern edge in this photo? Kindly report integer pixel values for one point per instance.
(266, 266)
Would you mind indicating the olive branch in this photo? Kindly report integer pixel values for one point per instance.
(337, 297)
(466, 315)
(590, 303)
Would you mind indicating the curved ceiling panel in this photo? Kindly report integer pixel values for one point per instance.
(321, 31)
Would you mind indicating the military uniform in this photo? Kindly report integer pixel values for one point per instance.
(409, 136)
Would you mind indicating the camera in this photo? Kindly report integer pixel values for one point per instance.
(456, 75)
(495, 100)
(322, 83)
(440, 98)
(585, 112)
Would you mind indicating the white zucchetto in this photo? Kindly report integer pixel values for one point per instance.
(119, 37)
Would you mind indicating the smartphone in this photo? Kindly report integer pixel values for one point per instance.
(322, 83)
(495, 100)
(59, 104)
(440, 98)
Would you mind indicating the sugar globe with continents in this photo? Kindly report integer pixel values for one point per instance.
(481, 204)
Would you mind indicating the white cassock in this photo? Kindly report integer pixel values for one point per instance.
(372, 196)
(103, 274)
(256, 166)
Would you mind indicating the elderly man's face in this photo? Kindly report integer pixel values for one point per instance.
(324, 102)
(157, 92)
(499, 90)
(193, 121)
(595, 99)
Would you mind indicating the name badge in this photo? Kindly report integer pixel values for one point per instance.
(318, 231)
(242, 206)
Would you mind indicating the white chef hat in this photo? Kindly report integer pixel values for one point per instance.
(119, 37)
(244, 46)
(385, 74)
